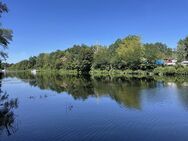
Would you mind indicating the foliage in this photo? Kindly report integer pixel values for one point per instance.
(164, 51)
(102, 58)
(78, 58)
(125, 54)
(82, 87)
(130, 51)
(152, 52)
(5, 34)
(171, 70)
(7, 117)
(182, 50)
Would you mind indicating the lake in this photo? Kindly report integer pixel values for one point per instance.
(50, 107)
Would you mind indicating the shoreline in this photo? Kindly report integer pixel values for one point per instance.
(171, 71)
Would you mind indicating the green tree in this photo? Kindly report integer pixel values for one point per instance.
(43, 61)
(151, 53)
(5, 34)
(102, 58)
(164, 51)
(130, 51)
(32, 62)
(182, 50)
(85, 59)
(57, 58)
(115, 45)
(78, 58)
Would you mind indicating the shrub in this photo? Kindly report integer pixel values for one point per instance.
(165, 71)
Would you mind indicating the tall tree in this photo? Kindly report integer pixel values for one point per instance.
(164, 51)
(102, 58)
(130, 50)
(182, 49)
(151, 53)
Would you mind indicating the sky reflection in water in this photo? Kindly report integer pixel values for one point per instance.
(53, 107)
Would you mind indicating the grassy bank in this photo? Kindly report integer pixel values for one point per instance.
(119, 72)
(159, 71)
(171, 70)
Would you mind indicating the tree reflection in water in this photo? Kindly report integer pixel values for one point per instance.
(7, 116)
(124, 90)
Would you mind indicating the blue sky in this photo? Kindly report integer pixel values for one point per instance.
(47, 25)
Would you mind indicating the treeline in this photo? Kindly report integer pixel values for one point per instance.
(127, 53)
(79, 58)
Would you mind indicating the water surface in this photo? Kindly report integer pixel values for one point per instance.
(71, 108)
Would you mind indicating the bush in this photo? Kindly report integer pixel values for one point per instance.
(171, 70)
(165, 71)
(182, 71)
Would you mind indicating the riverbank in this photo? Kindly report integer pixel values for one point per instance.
(159, 71)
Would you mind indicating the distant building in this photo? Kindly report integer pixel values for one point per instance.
(184, 63)
(170, 62)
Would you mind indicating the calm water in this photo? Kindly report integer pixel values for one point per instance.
(65, 108)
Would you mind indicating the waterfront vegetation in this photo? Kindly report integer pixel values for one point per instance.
(95, 92)
(127, 56)
(5, 34)
(7, 105)
(75, 83)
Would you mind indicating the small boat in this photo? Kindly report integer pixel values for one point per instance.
(34, 71)
(3, 71)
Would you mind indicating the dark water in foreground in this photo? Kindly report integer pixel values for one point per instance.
(65, 108)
